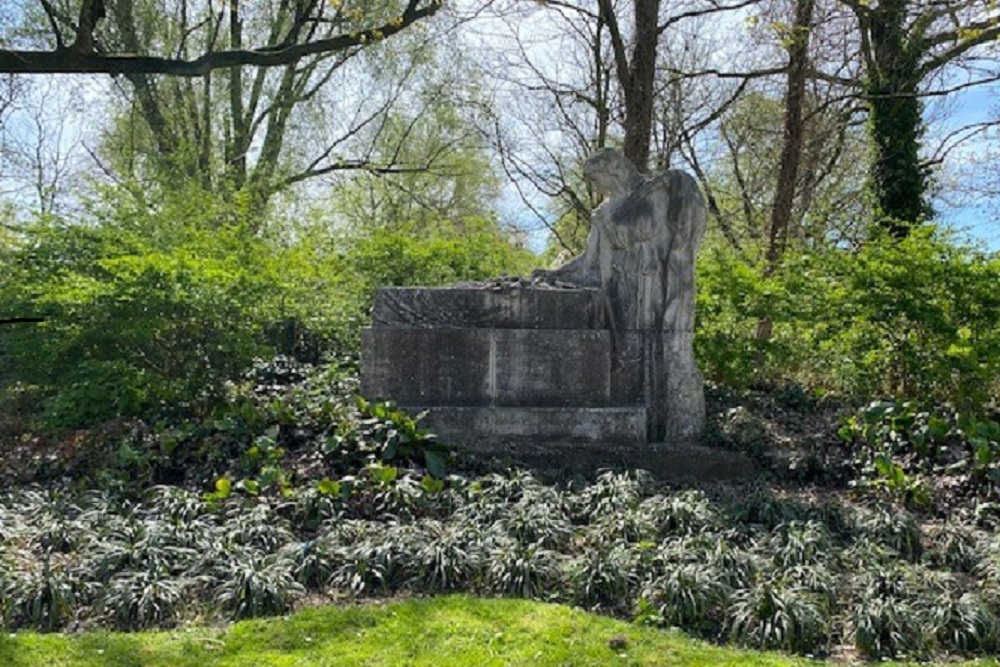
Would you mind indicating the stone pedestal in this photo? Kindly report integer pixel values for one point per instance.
(509, 365)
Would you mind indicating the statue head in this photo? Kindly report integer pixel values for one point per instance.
(611, 173)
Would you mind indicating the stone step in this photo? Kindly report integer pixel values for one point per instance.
(487, 430)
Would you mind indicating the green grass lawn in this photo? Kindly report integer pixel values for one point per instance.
(440, 632)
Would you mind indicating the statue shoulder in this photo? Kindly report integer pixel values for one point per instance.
(680, 182)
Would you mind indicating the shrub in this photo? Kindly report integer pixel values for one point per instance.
(130, 544)
(314, 561)
(523, 570)
(910, 318)
(775, 615)
(893, 528)
(142, 599)
(954, 547)
(683, 513)
(630, 526)
(537, 521)
(889, 627)
(252, 585)
(690, 596)
(736, 567)
(762, 506)
(963, 622)
(604, 577)
(446, 560)
(799, 543)
(42, 598)
(611, 494)
(255, 524)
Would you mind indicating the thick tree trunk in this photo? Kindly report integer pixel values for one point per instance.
(895, 124)
(638, 89)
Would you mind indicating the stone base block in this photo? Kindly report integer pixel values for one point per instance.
(476, 307)
(492, 430)
(483, 367)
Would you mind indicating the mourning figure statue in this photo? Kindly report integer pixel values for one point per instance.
(641, 252)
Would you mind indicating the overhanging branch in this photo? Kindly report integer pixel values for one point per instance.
(72, 61)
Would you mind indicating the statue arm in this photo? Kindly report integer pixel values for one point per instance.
(584, 269)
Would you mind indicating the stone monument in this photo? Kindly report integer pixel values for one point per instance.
(641, 254)
(590, 362)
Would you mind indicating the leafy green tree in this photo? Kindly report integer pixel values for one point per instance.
(151, 310)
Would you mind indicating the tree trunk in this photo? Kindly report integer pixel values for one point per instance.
(791, 148)
(238, 152)
(895, 125)
(636, 75)
(638, 89)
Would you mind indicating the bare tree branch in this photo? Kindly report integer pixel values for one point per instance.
(81, 61)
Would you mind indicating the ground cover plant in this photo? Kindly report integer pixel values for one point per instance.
(298, 491)
(358, 502)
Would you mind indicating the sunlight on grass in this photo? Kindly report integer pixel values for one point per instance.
(443, 632)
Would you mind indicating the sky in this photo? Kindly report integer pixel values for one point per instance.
(973, 215)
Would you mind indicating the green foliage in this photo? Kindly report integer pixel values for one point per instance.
(773, 615)
(683, 513)
(43, 598)
(897, 444)
(690, 558)
(447, 631)
(446, 559)
(157, 308)
(799, 543)
(142, 316)
(394, 436)
(688, 595)
(522, 570)
(412, 254)
(604, 577)
(914, 318)
(963, 623)
(143, 599)
(888, 627)
(252, 585)
(893, 528)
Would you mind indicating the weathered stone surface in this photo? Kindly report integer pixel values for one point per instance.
(427, 366)
(545, 368)
(641, 253)
(503, 367)
(494, 429)
(510, 436)
(592, 361)
(684, 394)
(628, 369)
(642, 245)
(479, 307)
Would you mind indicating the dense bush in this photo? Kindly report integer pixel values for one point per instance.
(152, 308)
(911, 318)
